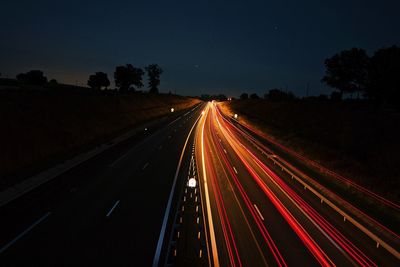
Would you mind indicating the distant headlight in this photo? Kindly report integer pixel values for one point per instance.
(192, 183)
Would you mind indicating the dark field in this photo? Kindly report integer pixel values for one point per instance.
(352, 138)
(42, 127)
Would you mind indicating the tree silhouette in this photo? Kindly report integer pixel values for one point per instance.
(384, 81)
(336, 96)
(33, 77)
(347, 71)
(244, 96)
(254, 96)
(153, 72)
(126, 76)
(220, 97)
(278, 95)
(98, 80)
(53, 82)
(205, 97)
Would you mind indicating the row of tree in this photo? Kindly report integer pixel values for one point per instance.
(127, 78)
(376, 77)
(272, 95)
(220, 97)
(34, 77)
(353, 72)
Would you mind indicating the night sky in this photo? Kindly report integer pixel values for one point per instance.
(203, 46)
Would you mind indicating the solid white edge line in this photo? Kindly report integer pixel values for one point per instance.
(9, 244)
(209, 215)
(145, 166)
(113, 207)
(171, 195)
(206, 234)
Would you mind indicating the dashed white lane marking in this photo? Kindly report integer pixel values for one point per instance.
(9, 244)
(156, 258)
(173, 121)
(258, 211)
(145, 166)
(235, 170)
(118, 160)
(112, 209)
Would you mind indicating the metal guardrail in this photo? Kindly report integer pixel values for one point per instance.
(346, 216)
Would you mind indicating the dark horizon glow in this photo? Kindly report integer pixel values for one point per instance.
(203, 46)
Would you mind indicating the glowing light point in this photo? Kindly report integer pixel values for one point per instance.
(192, 183)
(235, 116)
(203, 112)
(172, 109)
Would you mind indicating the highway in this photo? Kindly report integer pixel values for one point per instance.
(132, 206)
(108, 210)
(261, 216)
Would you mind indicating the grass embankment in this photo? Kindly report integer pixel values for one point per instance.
(351, 138)
(43, 127)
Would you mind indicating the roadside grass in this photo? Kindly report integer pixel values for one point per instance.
(43, 127)
(251, 114)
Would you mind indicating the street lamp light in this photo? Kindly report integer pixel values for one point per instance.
(172, 109)
(235, 116)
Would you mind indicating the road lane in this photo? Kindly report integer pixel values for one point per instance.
(386, 259)
(275, 225)
(78, 232)
(110, 210)
(238, 170)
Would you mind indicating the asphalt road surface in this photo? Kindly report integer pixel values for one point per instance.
(133, 206)
(107, 211)
(261, 216)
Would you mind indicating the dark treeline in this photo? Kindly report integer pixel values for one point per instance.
(354, 74)
(376, 77)
(272, 95)
(220, 97)
(127, 79)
